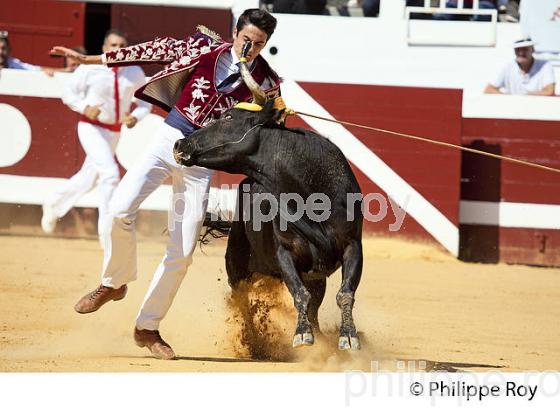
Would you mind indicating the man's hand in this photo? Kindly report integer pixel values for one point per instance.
(129, 120)
(92, 112)
(547, 91)
(48, 71)
(74, 55)
(490, 89)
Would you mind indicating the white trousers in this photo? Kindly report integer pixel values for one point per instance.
(99, 167)
(222, 202)
(186, 215)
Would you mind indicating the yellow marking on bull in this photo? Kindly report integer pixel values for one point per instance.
(279, 105)
(248, 106)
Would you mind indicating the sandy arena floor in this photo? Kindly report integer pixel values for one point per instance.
(414, 303)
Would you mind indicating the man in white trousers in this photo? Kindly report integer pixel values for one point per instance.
(103, 96)
(200, 81)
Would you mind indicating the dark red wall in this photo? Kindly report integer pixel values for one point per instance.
(433, 113)
(488, 179)
(144, 23)
(533, 141)
(34, 26)
(55, 150)
(530, 246)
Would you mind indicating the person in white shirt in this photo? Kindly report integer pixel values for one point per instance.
(103, 96)
(525, 75)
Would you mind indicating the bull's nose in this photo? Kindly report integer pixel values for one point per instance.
(178, 154)
(176, 146)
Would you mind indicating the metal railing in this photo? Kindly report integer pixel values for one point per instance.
(439, 7)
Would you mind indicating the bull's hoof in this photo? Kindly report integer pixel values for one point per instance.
(349, 343)
(303, 339)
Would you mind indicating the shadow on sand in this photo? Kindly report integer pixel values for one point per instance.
(432, 366)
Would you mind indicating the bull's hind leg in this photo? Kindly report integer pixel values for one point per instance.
(304, 331)
(352, 263)
(317, 290)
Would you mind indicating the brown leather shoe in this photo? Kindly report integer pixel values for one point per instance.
(153, 341)
(97, 298)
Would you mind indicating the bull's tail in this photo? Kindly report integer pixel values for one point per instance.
(213, 229)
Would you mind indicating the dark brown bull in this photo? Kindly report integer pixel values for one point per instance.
(302, 251)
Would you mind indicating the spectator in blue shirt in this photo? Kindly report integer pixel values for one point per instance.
(7, 61)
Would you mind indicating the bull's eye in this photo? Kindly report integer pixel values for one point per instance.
(228, 117)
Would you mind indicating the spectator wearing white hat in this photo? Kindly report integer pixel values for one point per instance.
(556, 15)
(525, 75)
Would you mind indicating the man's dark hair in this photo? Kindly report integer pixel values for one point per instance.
(114, 31)
(258, 18)
(4, 38)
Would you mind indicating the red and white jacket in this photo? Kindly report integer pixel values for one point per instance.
(189, 75)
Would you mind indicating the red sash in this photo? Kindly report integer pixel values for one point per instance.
(110, 127)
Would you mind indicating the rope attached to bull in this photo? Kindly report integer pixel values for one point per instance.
(279, 105)
(259, 98)
(430, 141)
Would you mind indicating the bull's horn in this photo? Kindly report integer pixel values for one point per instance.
(259, 97)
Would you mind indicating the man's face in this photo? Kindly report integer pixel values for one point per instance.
(113, 42)
(524, 55)
(249, 33)
(4, 53)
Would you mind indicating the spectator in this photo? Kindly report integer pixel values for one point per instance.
(468, 4)
(300, 6)
(103, 96)
(370, 8)
(7, 61)
(418, 16)
(556, 15)
(509, 10)
(525, 75)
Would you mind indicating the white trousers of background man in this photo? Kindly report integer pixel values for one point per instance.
(99, 167)
(186, 215)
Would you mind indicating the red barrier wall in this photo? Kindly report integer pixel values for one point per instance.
(34, 26)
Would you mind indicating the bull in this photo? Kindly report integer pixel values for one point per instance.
(301, 249)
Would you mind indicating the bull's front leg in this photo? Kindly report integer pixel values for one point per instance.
(238, 247)
(304, 332)
(351, 274)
